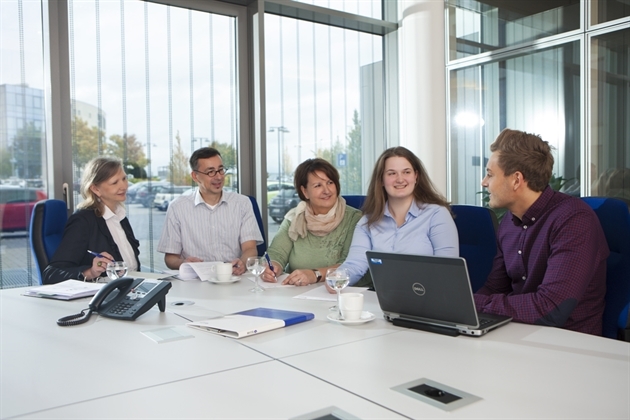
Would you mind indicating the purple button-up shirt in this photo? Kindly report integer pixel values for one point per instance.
(550, 267)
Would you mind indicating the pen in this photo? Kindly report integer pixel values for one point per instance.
(270, 265)
(96, 254)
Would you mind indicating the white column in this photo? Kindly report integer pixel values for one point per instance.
(423, 85)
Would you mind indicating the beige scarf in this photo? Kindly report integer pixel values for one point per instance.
(303, 220)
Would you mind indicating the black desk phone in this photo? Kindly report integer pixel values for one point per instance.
(124, 299)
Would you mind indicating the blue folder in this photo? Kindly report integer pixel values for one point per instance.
(289, 317)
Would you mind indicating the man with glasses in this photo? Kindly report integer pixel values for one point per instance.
(211, 224)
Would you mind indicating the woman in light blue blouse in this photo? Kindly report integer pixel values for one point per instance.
(403, 213)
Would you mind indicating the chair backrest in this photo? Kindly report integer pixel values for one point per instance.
(355, 201)
(476, 227)
(48, 221)
(615, 220)
(262, 247)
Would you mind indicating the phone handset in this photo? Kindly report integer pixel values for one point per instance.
(118, 289)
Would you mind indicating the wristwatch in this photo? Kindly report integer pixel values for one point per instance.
(318, 275)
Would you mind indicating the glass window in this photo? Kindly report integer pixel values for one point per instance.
(322, 83)
(368, 8)
(150, 84)
(537, 92)
(610, 113)
(479, 26)
(607, 10)
(22, 155)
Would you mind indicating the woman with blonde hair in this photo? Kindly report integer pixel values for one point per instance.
(403, 213)
(99, 225)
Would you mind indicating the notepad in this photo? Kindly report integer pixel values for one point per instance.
(251, 322)
(65, 290)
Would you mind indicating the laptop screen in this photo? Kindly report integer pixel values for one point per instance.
(423, 288)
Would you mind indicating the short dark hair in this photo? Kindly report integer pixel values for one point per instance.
(203, 153)
(526, 153)
(310, 166)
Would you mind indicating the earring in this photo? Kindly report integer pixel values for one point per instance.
(98, 199)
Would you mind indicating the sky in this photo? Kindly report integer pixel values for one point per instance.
(185, 82)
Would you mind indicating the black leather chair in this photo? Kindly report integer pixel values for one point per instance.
(48, 221)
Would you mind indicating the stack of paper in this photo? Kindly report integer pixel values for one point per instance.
(197, 270)
(66, 290)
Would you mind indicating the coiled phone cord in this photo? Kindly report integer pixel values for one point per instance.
(76, 319)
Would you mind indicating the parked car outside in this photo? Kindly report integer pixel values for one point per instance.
(282, 203)
(133, 190)
(146, 193)
(165, 195)
(16, 206)
(273, 188)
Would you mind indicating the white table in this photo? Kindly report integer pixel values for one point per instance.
(104, 367)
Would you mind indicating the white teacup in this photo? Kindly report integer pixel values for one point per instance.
(223, 271)
(351, 306)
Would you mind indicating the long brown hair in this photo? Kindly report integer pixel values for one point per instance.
(97, 170)
(423, 192)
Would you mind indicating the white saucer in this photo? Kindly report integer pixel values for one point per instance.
(233, 279)
(365, 317)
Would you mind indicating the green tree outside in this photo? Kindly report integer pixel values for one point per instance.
(85, 142)
(128, 149)
(350, 174)
(179, 168)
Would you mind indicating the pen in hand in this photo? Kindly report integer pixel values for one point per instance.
(96, 254)
(270, 265)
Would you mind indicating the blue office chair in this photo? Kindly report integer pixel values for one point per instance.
(476, 227)
(355, 201)
(48, 221)
(262, 247)
(615, 220)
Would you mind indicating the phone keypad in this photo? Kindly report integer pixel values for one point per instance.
(122, 307)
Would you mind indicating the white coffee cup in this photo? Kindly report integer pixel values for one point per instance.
(223, 271)
(351, 306)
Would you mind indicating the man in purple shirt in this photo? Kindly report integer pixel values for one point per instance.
(550, 267)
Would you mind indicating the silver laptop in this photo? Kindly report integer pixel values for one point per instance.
(429, 293)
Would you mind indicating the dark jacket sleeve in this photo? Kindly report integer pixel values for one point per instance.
(83, 231)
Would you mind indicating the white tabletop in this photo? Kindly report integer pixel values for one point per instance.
(313, 335)
(518, 370)
(263, 391)
(44, 365)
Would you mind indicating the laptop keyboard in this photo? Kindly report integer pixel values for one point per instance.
(485, 322)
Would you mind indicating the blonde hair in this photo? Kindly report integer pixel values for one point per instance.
(97, 170)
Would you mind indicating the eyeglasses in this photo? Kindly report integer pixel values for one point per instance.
(213, 172)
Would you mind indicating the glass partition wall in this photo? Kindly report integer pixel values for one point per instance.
(558, 69)
(151, 81)
(324, 99)
(23, 135)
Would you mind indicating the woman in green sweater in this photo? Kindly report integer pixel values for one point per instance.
(315, 235)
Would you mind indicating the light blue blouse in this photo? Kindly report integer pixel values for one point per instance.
(429, 229)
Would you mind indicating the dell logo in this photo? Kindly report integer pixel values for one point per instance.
(418, 289)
